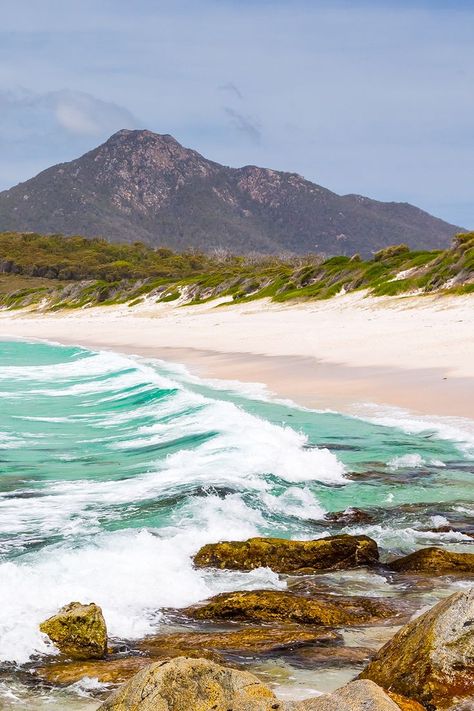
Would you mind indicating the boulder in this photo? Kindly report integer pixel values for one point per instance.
(435, 561)
(355, 696)
(431, 659)
(283, 556)
(78, 631)
(192, 684)
(278, 605)
(249, 640)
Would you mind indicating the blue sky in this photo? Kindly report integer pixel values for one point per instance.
(375, 98)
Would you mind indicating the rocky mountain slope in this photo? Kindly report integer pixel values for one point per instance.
(142, 186)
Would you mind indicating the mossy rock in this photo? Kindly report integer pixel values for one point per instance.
(435, 561)
(192, 685)
(284, 556)
(78, 631)
(431, 660)
(282, 606)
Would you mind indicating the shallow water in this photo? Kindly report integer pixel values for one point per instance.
(114, 470)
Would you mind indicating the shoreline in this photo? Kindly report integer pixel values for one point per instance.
(415, 353)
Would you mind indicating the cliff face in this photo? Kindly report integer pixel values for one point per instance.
(143, 186)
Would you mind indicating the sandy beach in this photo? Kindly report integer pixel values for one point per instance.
(412, 352)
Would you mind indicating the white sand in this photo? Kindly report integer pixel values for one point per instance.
(395, 339)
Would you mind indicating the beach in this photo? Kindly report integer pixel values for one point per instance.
(412, 352)
(140, 435)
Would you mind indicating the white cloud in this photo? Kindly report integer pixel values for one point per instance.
(84, 114)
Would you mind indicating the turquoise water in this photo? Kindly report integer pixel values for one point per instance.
(114, 470)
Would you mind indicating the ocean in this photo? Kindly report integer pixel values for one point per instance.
(115, 469)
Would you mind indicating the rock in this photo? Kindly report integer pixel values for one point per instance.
(349, 517)
(283, 556)
(317, 657)
(78, 631)
(451, 529)
(192, 685)
(277, 605)
(405, 704)
(435, 561)
(250, 640)
(106, 671)
(466, 705)
(431, 659)
(355, 696)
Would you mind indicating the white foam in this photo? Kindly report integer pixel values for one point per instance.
(131, 574)
(458, 430)
(414, 461)
(297, 502)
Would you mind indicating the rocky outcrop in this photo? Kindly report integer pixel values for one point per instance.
(249, 640)
(78, 631)
(355, 696)
(184, 684)
(283, 556)
(431, 659)
(217, 646)
(435, 561)
(277, 605)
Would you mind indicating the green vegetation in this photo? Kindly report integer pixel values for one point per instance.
(73, 272)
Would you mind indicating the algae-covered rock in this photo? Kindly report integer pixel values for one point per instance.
(106, 671)
(78, 631)
(435, 561)
(250, 640)
(283, 556)
(277, 605)
(192, 685)
(355, 696)
(431, 659)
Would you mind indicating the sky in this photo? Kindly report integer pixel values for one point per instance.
(373, 97)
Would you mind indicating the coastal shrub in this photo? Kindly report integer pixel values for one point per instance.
(75, 272)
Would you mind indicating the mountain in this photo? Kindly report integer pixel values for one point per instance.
(142, 186)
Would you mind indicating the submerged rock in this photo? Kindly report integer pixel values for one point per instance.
(250, 640)
(432, 658)
(78, 631)
(435, 561)
(283, 556)
(355, 696)
(192, 685)
(106, 671)
(349, 517)
(317, 657)
(465, 531)
(277, 605)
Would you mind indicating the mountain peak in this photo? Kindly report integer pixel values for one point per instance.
(141, 185)
(140, 134)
